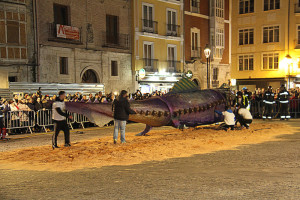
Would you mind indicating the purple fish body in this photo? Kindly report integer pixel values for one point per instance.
(173, 109)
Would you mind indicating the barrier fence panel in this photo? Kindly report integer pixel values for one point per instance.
(71, 121)
(81, 119)
(15, 120)
(44, 118)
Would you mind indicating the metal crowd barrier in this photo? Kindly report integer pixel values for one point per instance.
(15, 120)
(81, 119)
(19, 119)
(258, 107)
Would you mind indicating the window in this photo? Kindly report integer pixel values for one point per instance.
(215, 74)
(271, 34)
(114, 68)
(13, 32)
(270, 61)
(148, 54)
(13, 37)
(63, 65)
(12, 79)
(195, 43)
(195, 6)
(112, 29)
(220, 37)
(246, 36)
(218, 52)
(148, 16)
(220, 8)
(246, 62)
(61, 14)
(172, 53)
(246, 6)
(195, 40)
(171, 22)
(298, 34)
(271, 4)
(172, 57)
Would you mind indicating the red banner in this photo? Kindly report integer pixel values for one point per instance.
(67, 32)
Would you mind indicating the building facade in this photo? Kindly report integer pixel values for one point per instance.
(265, 50)
(157, 43)
(207, 23)
(17, 44)
(85, 42)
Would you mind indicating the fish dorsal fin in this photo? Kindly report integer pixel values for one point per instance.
(184, 85)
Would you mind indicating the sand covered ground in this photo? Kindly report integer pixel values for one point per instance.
(160, 145)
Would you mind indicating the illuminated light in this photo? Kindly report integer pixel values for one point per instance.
(233, 82)
(115, 93)
(207, 51)
(172, 79)
(142, 73)
(288, 59)
(154, 78)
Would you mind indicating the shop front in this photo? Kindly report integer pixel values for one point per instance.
(154, 81)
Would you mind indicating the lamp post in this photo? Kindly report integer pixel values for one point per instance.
(289, 61)
(207, 52)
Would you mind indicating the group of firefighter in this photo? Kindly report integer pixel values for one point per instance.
(243, 98)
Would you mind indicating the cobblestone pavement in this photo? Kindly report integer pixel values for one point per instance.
(264, 171)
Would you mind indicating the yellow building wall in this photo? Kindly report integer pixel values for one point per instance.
(160, 41)
(294, 47)
(258, 20)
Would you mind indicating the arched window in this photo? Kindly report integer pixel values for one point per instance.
(90, 76)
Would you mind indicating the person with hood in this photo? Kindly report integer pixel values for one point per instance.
(229, 118)
(122, 110)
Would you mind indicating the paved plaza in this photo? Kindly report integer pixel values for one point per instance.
(270, 170)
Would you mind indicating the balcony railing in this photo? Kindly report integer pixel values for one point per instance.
(173, 30)
(150, 65)
(120, 41)
(215, 83)
(196, 52)
(297, 8)
(149, 26)
(63, 33)
(174, 66)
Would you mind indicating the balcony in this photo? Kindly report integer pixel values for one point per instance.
(119, 41)
(63, 33)
(150, 65)
(173, 30)
(195, 53)
(149, 26)
(297, 8)
(173, 66)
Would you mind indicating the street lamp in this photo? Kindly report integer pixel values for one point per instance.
(289, 61)
(207, 52)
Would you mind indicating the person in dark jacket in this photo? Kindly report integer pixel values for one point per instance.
(122, 110)
(284, 99)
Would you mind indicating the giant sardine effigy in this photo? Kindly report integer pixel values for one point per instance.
(184, 107)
